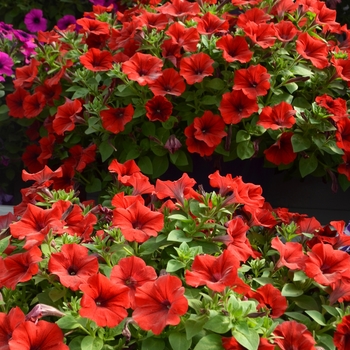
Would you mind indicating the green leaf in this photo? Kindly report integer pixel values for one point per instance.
(68, 322)
(133, 153)
(91, 343)
(245, 150)
(299, 317)
(215, 84)
(160, 166)
(106, 150)
(326, 340)
(218, 324)
(242, 136)
(179, 158)
(308, 165)
(291, 87)
(4, 109)
(316, 316)
(331, 310)
(94, 186)
(145, 165)
(178, 341)
(300, 143)
(4, 243)
(301, 70)
(148, 129)
(178, 236)
(153, 344)
(209, 342)
(194, 325)
(290, 290)
(276, 99)
(301, 102)
(306, 302)
(174, 265)
(250, 340)
(75, 344)
(209, 100)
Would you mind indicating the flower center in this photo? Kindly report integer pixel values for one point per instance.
(72, 270)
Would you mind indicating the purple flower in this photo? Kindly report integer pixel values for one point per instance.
(6, 64)
(6, 30)
(23, 36)
(66, 21)
(35, 21)
(104, 3)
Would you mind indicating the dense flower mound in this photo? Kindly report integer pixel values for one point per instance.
(158, 82)
(169, 267)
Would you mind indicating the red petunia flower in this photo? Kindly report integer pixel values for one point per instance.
(143, 68)
(52, 92)
(254, 15)
(270, 298)
(196, 146)
(41, 335)
(19, 267)
(285, 31)
(262, 34)
(73, 265)
(291, 254)
(137, 222)
(81, 157)
(103, 301)
(235, 48)
(342, 67)
(158, 108)
(209, 128)
(34, 104)
(153, 20)
(15, 102)
(312, 49)
(93, 26)
(25, 75)
(281, 152)
(291, 334)
(186, 38)
(179, 8)
(253, 81)
(169, 83)
(341, 337)
(326, 265)
(235, 106)
(30, 158)
(115, 119)
(160, 303)
(210, 24)
(216, 273)
(97, 60)
(344, 168)
(8, 323)
(342, 134)
(43, 176)
(133, 273)
(124, 171)
(66, 116)
(175, 189)
(336, 107)
(47, 147)
(35, 224)
(171, 51)
(277, 117)
(230, 343)
(196, 67)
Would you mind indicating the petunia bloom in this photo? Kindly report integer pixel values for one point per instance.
(143, 68)
(8, 323)
(97, 60)
(6, 64)
(216, 273)
(253, 81)
(133, 273)
(196, 67)
(277, 117)
(169, 83)
(137, 222)
(312, 49)
(42, 335)
(281, 152)
(73, 265)
(160, 303)
(115, 119)
(103, 301)
(158, 108)
(341, 337)
(35, 21)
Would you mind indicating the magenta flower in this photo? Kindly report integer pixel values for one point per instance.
(6, 64)
(35, 21)
(66, 21)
